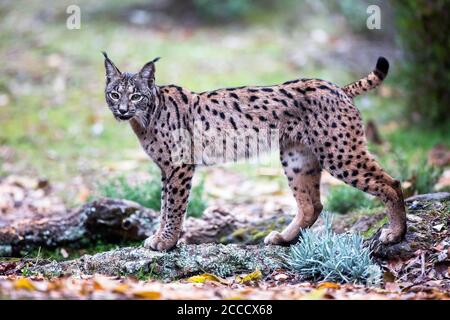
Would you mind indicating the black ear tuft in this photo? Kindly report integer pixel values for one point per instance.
(156, 59)
(148, 72)
(111, 69)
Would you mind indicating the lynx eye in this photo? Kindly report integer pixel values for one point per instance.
(135, 97)
(114, 95)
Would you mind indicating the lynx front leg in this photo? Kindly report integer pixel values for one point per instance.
(176, 185)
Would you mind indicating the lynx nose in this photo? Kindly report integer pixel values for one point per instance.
(123, 110)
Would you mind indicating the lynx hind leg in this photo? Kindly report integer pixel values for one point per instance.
(303, 172)
(360, 170)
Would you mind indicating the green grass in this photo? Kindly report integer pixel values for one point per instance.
(148, 193)
(422, 176)
(144, 275)
(414, 142)
(344, 199)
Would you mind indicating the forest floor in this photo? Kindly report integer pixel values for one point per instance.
(277, 286)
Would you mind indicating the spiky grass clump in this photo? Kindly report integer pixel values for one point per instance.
(327, 256)
(344, 199)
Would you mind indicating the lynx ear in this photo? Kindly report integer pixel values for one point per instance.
(148, 72)
(111, 70)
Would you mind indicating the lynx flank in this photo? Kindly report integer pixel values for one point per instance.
(314, 123)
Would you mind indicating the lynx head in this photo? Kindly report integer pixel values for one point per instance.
(130, 95)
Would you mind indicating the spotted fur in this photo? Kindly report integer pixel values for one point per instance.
(317, 124)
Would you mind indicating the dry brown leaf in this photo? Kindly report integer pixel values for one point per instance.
(97, 285)
(54, 285)
(84, 289)
(388, 276)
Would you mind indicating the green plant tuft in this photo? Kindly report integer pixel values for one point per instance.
(344, 199)
(148, 193)
(327, 256)
(197, 202)
(423, 177)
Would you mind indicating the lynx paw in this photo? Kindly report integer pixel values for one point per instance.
(274, 238)
(157, 243)
(389, 236)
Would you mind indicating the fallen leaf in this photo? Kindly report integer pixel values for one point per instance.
(145, 294)
(254, 276)
(97, 285)
(281, 277)
(414, 218)
(406, 184)
(438, 227)
(55, 285)
(392, 287)
(328, 285)
(316, 294)
(83, 194)
(388, 276)
(85, 288)
(235, 297)
(64, 253)
(202, 278)
(121, 288)
(24, 283)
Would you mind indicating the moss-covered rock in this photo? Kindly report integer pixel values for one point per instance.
(183, 261)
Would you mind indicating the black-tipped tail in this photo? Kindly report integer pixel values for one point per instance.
(371, 81)
(382, 67)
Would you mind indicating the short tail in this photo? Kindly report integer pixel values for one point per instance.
(370, 82)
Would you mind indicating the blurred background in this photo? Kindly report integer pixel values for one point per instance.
(58, 137)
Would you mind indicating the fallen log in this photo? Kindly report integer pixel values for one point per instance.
(105, 219)
(119, 221)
